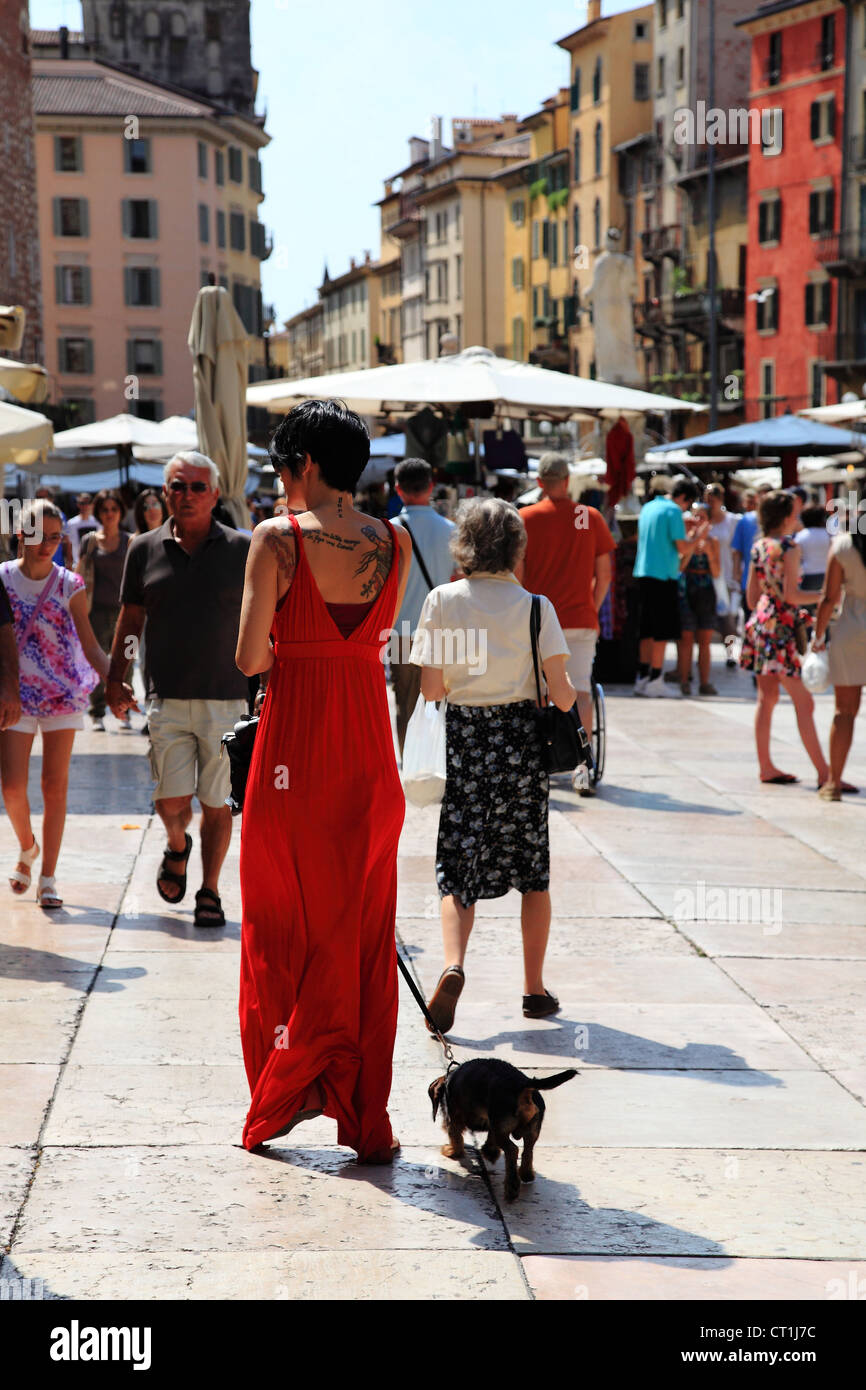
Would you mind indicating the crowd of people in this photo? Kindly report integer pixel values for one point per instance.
(290, 618)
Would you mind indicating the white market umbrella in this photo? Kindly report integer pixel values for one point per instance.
(26, 381)
(855, 411)
(25, 435)
(474, 376)
(218, 342)
(118, 432)
(180, 432)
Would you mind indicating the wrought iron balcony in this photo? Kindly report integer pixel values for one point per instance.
(844, 253)
(848, 348)
(659, 242)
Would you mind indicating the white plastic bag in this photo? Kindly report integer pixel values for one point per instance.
(424, 754)
(815, 671)
(723, 601)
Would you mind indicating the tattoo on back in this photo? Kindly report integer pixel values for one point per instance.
(319, 537)
(377, 559)
(281, 543)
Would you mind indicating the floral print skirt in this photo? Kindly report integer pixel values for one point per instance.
(493, 822)
(769, 645)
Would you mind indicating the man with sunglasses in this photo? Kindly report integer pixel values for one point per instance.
(186, 579)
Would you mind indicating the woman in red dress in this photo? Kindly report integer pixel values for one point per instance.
(324, 804)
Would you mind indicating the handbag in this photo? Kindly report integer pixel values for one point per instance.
(238, 746)
(801, 634)
(564, 741)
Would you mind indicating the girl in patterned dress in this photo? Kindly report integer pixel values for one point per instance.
(60, 663)
(769, 644)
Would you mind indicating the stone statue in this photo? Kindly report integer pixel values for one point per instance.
(612, 295)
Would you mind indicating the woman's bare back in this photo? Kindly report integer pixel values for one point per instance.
(350, 557)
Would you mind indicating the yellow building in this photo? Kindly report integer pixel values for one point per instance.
(388, 331)
(611, 103)
(298, 351)
(537, 261)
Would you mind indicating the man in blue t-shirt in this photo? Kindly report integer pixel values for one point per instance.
(661, 548)
(744, 538)
(431, 537)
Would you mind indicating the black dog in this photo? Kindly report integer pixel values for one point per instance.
(494, 1095)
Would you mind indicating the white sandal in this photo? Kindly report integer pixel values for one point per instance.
(46, 893)
(19, 882)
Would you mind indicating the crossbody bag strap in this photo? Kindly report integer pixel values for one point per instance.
(418, 556)
(47, 588)
(534, 630)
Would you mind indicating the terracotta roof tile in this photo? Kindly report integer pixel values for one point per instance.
(91, 90)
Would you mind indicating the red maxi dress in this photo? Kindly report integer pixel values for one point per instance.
(322, 817)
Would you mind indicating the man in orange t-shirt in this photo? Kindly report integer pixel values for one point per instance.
(568, 559)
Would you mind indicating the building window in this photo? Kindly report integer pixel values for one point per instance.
(117, 21)
(148, 407)
(458, 276)
(660, 75)
(202, 159)
(203, 223)
(819, 303)
(518, 212)
(254, 170)
(575, 90)
(663, 14)
(140, 219)
(257, 239)
(75, 356)
(822, 211)
(596, 82)
(72, 284)
(774, 60)
(71, 217)
(518, 350)
(141, 286)
(68, 154)
(221, 228)
(144, 356)
(236, 164)
(237, 231)
(817, 381)
(575, 228)
(640, 31)
(81, 409)
(553, 243)
(770, 221)
(641, 81)
(768, 388)
(681, 66)
(767, 309)
(596, 222)
(576, 156)
(517, 273)
(219, 167)
(137, 157)
(822, 120)
(536, 239)
(827, 50)
(597, 149)
(212, 27)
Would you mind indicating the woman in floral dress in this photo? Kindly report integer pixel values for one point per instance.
(769, 644)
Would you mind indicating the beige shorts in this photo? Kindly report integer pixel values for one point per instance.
(185, 747)
(581, 643)
(33, 723)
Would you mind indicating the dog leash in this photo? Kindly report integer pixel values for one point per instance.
(446, 1046)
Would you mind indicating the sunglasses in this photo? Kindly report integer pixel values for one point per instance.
(178, 487)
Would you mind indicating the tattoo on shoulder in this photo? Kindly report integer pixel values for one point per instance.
(332, 538)
(281, 544)
(374, 562)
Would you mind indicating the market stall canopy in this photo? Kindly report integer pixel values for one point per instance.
(179, 432)
(12, 321)
(771, 438)
(26, 381)
(475, 376)
(25, 436)
(118, 432)
(219, 345)
(841, 414)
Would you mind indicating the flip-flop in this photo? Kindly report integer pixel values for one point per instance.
(174, 856)
(443, 1002)
(540, 1005)
(784, 779)
(208, 909)
(844, 787)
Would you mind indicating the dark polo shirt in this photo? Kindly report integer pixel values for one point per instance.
(193, 606)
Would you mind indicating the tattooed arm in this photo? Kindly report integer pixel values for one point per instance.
(270, 570)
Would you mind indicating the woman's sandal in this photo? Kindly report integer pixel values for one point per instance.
(47, 895)
(19, 881)
(208, 909)
(540, 1005)
(443, 1001)
(174, 856)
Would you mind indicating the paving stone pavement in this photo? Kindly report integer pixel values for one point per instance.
(709, 949)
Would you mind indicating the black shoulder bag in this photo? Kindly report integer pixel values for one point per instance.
(564, 741)
(418, 556)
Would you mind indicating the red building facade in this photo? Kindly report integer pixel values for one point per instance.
(798, 70)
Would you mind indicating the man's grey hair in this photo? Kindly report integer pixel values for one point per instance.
(195, 460)
(490, 536)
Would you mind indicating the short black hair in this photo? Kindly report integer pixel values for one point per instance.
(333, 436)
(413, 475)
(107, 495)
(813, 515)
(683, 487)
(800, 492)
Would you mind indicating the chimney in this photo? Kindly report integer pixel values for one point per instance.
(63, 35)
(351, 262)
(593, 11)
(435, 137)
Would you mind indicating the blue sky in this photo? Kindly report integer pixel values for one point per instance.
(345, 84)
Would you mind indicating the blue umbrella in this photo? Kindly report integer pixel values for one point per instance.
(785, 437)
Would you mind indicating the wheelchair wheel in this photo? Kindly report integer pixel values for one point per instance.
(599, 731)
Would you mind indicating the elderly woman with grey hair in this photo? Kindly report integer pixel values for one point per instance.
(473, 644)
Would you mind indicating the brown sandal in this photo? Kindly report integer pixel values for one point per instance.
(540, 1005)
(443, 1003)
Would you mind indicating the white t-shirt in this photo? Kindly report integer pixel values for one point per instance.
(723, 531)
(476, 632)
(76, 529)
(814, 543)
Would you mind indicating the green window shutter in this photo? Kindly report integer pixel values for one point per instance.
(58, 284)
(826, 302)
(815, 120)
(88, 356)
(810, 303)
(55, 205)
(126, 216)
(763, 209)
(831, 117)
(155, 281)
(86, 284)
(153, 217)
(85, 216)
(127, 155)
(830, 216)
(813, 213)
(61, 354)
(157, 359)
(58, 165)
(130, 356)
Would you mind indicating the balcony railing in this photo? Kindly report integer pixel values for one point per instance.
(857, 152)
(843, 253)
(659, 242)
(730, 304)
(843, 347)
